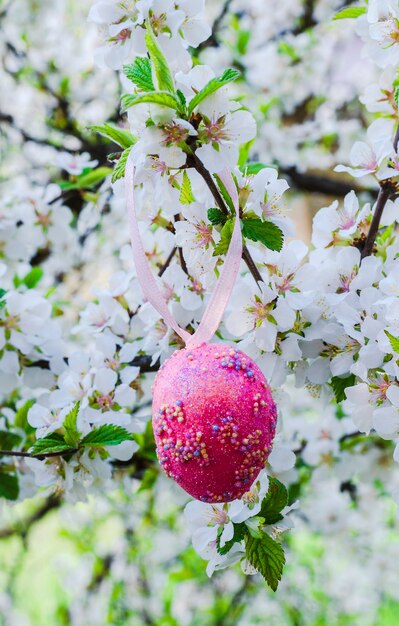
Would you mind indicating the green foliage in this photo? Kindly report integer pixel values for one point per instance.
(253, 167)
(120, 167)
(159, 62)
(186, 192)
(225, 238)
(228, 76)
(224, 193)
(350, 13)
(21, 416)
(216, 216)
(72, 435)
(265, 232)
(240, 532)
(146, 442)
(162, 98)
(87, 180)
(340, 384)
(140, 73)
(9, 440)
(267, 556)
(52, 443)
(31, 279)
(394, 341)
(106, 435)
(2, 299)
(274, 502)
(120, 136)
(9, 487)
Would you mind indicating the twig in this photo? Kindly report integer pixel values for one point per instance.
(382, 199)
(168, 261)
(198, 165)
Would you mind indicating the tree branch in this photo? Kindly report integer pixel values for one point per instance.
(195, 162)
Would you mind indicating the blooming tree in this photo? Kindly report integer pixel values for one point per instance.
(78, 344)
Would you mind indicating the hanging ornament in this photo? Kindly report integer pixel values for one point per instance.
(214, 418)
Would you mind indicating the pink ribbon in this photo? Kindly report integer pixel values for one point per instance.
(224, 286)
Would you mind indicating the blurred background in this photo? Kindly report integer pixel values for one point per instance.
(123, 560)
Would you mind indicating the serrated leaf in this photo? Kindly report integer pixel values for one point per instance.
(394, 341)
(228, 76)
(267, 556)
(9, 487)
(140, 73)
(225, 238)
(265, 232)
(340, 384)
(240, 531)
(106, 435)
(350, 13)
(162, 98)
(186, 192)
(72, 435)
(9, 440)
(120, 136)
(274, 502)
(216, 216)
(54, 442)
(120, 167)
(159, 62)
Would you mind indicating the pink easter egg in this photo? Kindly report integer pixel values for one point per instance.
(214, 420)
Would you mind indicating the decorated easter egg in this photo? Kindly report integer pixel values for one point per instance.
(214, 420)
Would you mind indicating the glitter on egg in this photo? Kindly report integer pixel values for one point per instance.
(214, 420)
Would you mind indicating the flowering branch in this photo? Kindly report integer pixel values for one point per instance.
(198, 165)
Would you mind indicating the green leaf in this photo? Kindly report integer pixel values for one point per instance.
(253, 167)
(31, 279)
(86, 181)
(274, 502)
(9, 487)
(350, 13)
(9, 440)
(2, 299)
(54, 442)
(225, 238)
(120, 136)
(240, 531)
(394, 341)
(159, 62)
(21, 416)
(162, 98)
(146, 442)
(119, 169)
(225, 194)
(106, 435)
(72, 435)
(228, 76)
(186, 192)
(216, 216)
(340, 384)
(149, 479)
(266, 232)
(267, 556)
(244, 153)
(140, 73)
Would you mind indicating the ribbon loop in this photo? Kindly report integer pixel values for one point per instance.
(224, 286)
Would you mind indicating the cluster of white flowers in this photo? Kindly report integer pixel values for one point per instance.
(322, 323)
